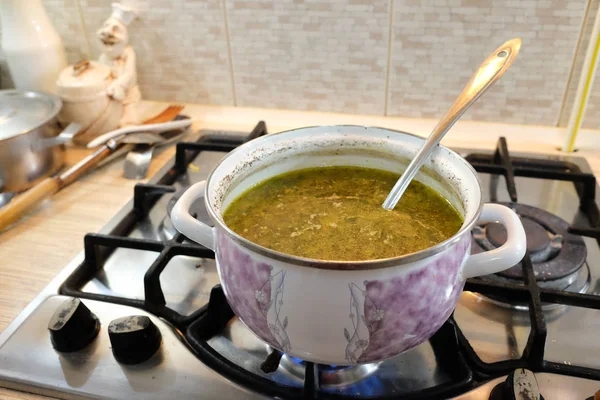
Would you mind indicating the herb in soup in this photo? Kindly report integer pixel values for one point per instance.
(335, 213)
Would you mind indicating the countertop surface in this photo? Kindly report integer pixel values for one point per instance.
(36, 248)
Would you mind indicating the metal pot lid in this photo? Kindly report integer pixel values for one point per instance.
(21, 112)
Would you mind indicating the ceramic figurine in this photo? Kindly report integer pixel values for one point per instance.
(120, 57)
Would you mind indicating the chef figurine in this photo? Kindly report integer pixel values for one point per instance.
(120, 56)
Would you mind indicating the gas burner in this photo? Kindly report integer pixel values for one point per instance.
(332, 376)
(579, 282)
(167, 231)
(556, 254)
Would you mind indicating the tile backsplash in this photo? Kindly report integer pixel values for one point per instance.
(387, 57)
(436, 46)
(181, 48)
(310, 54)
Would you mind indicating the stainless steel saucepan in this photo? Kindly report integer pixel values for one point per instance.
(27, 120)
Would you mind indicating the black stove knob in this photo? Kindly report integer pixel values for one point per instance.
(73, 326)
(521, 384)
(134, 339)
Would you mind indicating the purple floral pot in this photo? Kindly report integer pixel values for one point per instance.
(344, 312)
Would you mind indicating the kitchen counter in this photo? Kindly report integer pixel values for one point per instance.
(35, 249)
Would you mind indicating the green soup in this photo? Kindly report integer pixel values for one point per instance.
(335, 213)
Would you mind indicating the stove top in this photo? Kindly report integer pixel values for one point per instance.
(143, 294)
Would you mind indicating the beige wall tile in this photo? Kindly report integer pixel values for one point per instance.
(181, 49)
(571, 91)
(437, 44)
(310, 54)
(66, 18)
(591, 117)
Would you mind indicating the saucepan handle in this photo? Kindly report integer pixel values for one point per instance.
(505, 256)
(188, 225)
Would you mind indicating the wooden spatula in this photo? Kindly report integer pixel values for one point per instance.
(168, 114)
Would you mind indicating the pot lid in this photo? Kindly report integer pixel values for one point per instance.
(21, 111)
(83, 79)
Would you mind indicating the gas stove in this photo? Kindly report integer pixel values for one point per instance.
(139, 313)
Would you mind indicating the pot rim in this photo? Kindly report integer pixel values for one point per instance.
(339, 264)
(57, 103)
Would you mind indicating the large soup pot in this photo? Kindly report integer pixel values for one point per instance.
(345, 312)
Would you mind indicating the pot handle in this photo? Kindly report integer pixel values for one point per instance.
(188, 225)
(63, 138)
(505, 256)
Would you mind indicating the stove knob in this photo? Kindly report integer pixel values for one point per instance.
(73, 326)
(134, 339)
(520, 385)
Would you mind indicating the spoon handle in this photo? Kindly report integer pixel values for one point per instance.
(488, 72)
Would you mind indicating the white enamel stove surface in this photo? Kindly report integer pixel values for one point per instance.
(29, 363)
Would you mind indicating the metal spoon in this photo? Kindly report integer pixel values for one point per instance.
(489, 72)
(138, 159)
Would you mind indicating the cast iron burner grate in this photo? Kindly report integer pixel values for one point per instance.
(554, 252)
(557, 255)
(451, 348)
